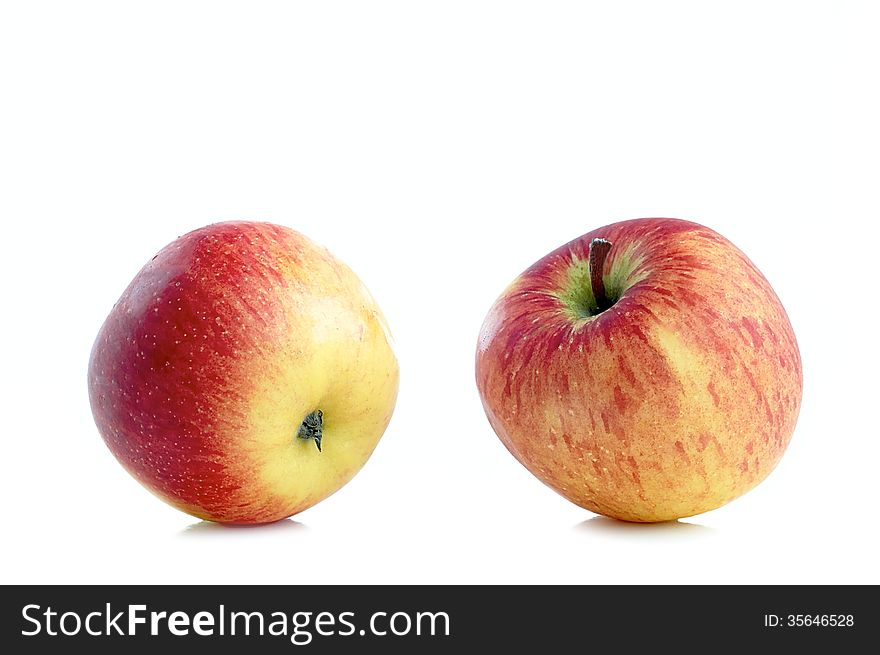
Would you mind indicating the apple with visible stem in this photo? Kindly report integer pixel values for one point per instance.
(244, 375)
(645, 371)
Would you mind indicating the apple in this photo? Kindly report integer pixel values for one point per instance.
(244, 375)
(645, 371)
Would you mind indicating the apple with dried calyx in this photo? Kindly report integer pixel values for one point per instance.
(244, 375)
(645, 371)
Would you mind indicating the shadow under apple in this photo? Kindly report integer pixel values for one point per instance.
(663, 530)
(209, 529)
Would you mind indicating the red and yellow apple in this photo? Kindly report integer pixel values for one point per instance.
(244, 375)
(645, 371)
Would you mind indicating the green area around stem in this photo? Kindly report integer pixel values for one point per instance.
(623, 270)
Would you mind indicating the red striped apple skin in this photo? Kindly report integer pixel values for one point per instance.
(207, 365)
(677, 399)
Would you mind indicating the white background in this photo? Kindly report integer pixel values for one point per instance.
(438, 148)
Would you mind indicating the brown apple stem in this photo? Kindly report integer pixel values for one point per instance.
(312, 427)
(599, 249)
